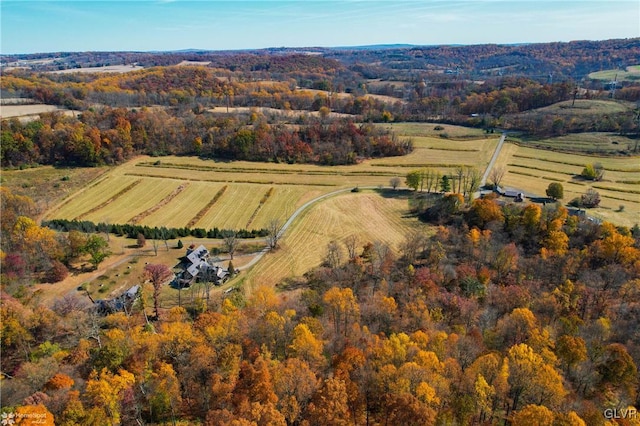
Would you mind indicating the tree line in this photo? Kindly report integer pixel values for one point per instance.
(155, 233)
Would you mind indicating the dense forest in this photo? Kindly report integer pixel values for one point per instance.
(503, 313)
(110, 136)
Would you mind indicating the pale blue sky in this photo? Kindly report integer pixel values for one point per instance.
(29, 26)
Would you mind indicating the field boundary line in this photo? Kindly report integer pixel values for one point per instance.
(264, 199)
(255, 182)
(245, 170)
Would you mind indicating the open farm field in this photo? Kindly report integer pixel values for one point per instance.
(588, 143)
(142, 197)
(9, 111)
(194, 63)
(106, 69)
(533, 170)
(235, 207)
(584, 107)
(442, 154)
(342, 95)
(368, 215)
(48, 185)
(435, 130)
(178, 191)
(272, 111)
(631, 73)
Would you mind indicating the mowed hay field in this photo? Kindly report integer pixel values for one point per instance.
(631, 73)
(587, 143)
(368, 215)
(532, 170)
(180, 191)
(586, 106)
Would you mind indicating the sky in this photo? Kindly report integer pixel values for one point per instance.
(30, 26)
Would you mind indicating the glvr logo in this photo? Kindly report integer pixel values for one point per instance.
(8, 419)
(621, 413)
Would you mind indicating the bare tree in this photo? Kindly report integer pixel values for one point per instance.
(395, 182)
(381, 251)
(231, 242)
(473, 178)
(274, 229)
(460, 174)
(351, 243)
(432, 179)
(334, 255)
(496, 175)
(414, 245)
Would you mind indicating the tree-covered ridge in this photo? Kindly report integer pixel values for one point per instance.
(572, 59)
(510, 101)
(509, 313)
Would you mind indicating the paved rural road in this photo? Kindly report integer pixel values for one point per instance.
(493, 159)
(293, 217)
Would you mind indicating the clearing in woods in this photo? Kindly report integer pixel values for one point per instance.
(584, 107)
(630, 73)
(587, 143)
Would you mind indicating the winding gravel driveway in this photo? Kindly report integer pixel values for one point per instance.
(483, 182)
(293, 217)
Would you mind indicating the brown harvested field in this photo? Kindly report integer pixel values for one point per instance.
(367, 214)
(437, 130)
(341, 95)
(269, 111)
(194, 63)
(106, 69)
(372, 216)
(8, 111)
(588, 143)
(532, 171)
(442, 154)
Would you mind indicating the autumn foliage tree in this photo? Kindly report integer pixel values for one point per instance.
(158, 274)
